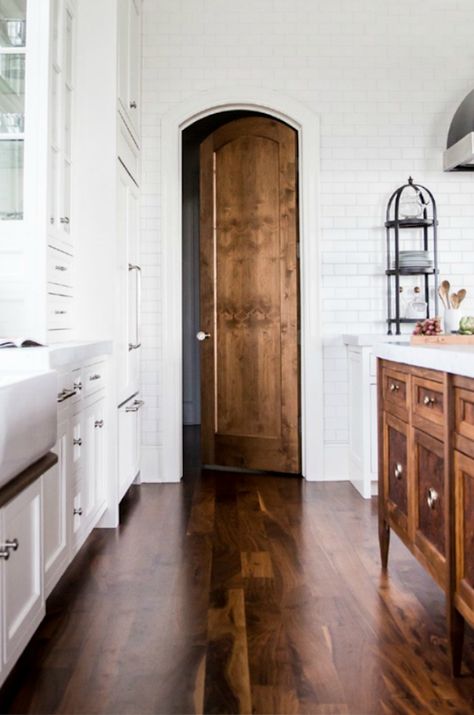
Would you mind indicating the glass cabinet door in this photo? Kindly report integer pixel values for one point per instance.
(12, 107)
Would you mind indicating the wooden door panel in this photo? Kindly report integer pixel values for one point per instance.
(464, 533)
(249, 296)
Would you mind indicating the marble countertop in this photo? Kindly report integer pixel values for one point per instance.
(53, 356)
(369, 339)
(456, 359)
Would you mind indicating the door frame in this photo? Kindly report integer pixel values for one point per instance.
(169, 457)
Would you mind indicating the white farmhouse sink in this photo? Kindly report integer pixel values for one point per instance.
(28, 420)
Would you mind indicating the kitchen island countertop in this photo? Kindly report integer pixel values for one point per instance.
(455, 359)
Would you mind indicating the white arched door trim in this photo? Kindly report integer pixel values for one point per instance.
(168, 466)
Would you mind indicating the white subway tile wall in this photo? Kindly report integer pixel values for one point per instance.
(385, 79)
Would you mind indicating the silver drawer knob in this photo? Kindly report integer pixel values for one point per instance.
(78, 512)
(99, 423)
(77, 442)
(78, 385)
(429, 401)
(394, 387)
(432, 497)
(12, 544)
(65, 220)
(4, 553)
(201, 335)
(398, 471)
(133, 105)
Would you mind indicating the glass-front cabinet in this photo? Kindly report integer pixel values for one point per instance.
(13, 48)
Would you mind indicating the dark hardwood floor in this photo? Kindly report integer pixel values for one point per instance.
(240, 593)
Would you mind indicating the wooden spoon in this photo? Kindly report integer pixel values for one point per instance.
(455, 300)
(461, 296)
(442, 294)
(445, 287)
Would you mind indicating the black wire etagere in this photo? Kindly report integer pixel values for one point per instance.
(426, 221)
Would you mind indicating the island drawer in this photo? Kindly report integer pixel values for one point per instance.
(395, 391)
(428, 405)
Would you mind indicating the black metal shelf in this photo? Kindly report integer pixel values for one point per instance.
(410, 272)
(410, 223)
(427, 222)
(403, 320)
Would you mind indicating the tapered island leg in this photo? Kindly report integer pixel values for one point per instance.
(456, 639)
(384, 541)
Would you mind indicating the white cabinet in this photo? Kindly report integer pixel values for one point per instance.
(362, 420)
(55, 512)
(129, 284)
(129, 443)
(22, 602)
(129, 63)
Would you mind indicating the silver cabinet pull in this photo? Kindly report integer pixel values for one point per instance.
(394, 387)
(398, 471)
(60, 312)
(432, 497)
(94, 377)
(4, 553)
(12, 544)
(133, 105)
(429, 401)
(65, 220)
(60, 268)
(77, 441)
(99, 424)
(78, 385)
(135, 406)
(137, 344)
(77, 512)
(201, 335)
(66, 394)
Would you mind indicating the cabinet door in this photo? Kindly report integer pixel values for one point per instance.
(88, 472)
(134, 66)
(464, 533)
(430, 503)
(61, 100)
(123, 54)
(128, 348)
(22, 597)
(396, 476)
(129, 63)
(55, 511)
(129, 443)
(100, 447)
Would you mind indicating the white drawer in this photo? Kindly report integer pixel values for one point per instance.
(94, 378)
(60, 266)
(59, 311)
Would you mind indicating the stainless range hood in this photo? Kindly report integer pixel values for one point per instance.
(459, 156)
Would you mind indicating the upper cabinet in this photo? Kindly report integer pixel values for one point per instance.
(60, 128)
(13, 49)
(129, 63)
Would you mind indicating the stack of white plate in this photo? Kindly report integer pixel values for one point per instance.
(415, 260)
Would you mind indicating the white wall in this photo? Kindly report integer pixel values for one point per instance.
(385, 78)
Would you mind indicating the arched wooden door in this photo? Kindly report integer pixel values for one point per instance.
(249, 296)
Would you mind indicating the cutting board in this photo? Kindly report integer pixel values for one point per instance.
(442, 339)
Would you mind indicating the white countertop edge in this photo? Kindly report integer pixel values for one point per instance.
(63, 354)
(369, 339)
(455, 359)
(53, 356)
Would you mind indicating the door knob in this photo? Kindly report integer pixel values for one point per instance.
(202, 335)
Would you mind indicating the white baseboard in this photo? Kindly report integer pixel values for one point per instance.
(152, 470)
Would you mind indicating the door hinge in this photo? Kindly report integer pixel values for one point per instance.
(298, 251)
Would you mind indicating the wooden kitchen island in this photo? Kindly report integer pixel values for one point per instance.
(426, 468)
